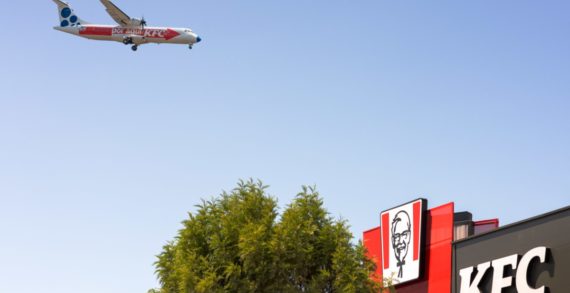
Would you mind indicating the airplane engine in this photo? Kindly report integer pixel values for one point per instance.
(137, 22)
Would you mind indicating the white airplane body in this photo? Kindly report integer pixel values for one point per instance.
(129, 31)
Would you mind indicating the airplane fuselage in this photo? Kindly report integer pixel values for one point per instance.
(129, 31)
(133, 35)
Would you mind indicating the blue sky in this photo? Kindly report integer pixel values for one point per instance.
(103, 151)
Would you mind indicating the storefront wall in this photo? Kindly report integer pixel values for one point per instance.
(549, 232)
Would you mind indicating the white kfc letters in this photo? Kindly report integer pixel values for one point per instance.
(499, 279)
(522, 282)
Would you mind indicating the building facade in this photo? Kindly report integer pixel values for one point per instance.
(460, 255)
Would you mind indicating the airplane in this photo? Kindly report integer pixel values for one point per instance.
(130, 31)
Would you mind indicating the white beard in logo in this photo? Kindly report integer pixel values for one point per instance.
(401, 235)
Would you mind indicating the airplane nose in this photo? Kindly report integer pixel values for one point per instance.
(198, 39)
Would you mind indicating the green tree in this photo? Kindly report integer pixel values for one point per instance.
(237, 243)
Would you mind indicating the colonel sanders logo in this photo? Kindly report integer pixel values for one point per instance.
(401, 239)
(401, 229)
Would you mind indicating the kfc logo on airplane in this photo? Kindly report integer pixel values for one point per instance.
(402, 239)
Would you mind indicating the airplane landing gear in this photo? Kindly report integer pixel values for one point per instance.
(190, 47)
(127, 41)
(134, 47)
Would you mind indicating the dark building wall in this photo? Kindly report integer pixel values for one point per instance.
(551, 230)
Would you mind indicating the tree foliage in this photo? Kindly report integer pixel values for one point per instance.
(237, 243)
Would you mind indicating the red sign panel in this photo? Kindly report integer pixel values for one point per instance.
(436, 274)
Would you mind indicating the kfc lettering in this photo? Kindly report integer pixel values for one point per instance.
(147, 33)
(501, 281)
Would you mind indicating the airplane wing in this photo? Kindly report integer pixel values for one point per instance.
(117, 14)
(60, 3)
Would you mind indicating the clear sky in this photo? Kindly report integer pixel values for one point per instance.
(103, 151)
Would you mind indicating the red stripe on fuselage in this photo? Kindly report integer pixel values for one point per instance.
(96, 31)
(151, 33)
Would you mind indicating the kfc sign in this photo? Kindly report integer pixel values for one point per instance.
(402, 235)
(522, 267)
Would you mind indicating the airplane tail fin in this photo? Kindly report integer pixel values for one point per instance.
(66, 15)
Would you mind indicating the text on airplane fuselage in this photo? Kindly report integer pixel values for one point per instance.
(147, 33)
